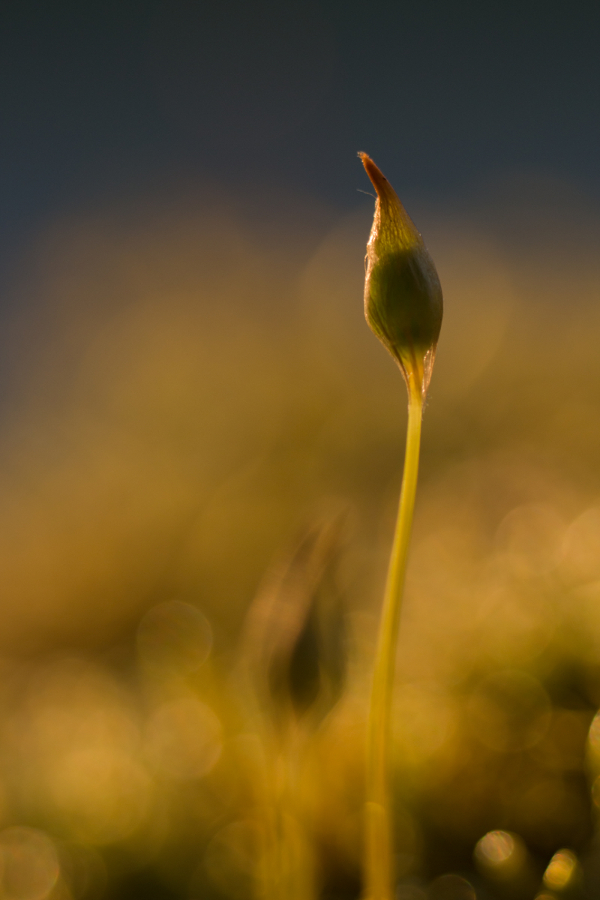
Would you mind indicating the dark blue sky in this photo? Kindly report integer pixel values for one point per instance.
(102, 99)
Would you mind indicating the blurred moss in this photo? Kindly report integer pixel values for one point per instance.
(177, 412)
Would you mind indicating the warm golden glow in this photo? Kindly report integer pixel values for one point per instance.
(594, 740)
(495, 848)
(174, 636)
(502, 856)
(232, 859)
(561, 870)
(29, 866)
(191, 390)
(102, 795)
(509, 710)
(183, 739)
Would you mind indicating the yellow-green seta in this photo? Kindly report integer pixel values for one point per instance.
(403, 306)
(403, 296)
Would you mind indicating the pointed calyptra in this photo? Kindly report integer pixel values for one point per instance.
(403, 296)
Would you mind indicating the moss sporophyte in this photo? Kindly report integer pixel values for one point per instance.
(403, 296)
(403, 306)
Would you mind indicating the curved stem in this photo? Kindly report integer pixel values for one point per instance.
(379, 869)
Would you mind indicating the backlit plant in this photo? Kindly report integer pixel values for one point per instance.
(403, 306)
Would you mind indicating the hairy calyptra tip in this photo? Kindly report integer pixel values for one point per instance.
(403, 296)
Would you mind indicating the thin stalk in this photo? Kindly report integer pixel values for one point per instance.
(379, 867)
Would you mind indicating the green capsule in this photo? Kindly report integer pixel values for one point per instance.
(403, 296)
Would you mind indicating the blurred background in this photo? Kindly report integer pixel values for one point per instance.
(201, 448)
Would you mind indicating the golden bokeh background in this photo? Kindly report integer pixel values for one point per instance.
(201, 452)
